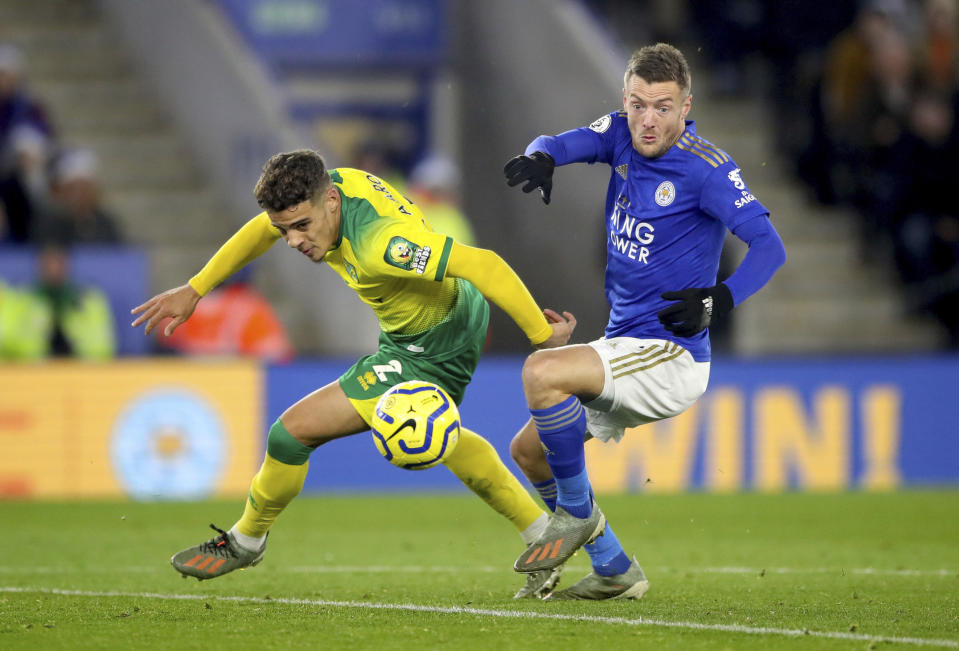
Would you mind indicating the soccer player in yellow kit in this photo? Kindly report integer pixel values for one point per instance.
(427, 292)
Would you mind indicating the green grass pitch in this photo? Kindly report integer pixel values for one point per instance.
(749, 571)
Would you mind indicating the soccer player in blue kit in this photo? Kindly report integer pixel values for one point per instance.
(670, 199)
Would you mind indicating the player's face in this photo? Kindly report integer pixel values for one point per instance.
(311, 227)
(656, 114)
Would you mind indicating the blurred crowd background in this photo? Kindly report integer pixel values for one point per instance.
(841, 114)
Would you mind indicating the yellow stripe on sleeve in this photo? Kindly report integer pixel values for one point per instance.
(710, 147)
(693, 151)
(694, 146)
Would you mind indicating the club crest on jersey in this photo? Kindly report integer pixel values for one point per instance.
(601, 125)
(402, 253)
(665, 193)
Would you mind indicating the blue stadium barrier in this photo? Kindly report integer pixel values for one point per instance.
(120, 271)
(342, 33)
(175, 429)
(771, 425)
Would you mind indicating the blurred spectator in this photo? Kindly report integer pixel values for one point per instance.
(25, 137)
(862, 94)
(939, 54)
(233, 319)
(871, 148)
(795, 34)
(885, 141)
(434, 187)
(846, 73)
(56, 317)
(18, 317)
(925, 212)
(74, 214)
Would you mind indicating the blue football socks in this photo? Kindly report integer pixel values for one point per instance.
(607, 555)
(562, 428)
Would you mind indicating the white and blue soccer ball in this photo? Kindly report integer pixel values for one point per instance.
(416, 425)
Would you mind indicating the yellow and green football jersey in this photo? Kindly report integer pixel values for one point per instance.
(433, 325)
(389, 255)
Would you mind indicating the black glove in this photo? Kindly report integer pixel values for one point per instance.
(536, 169)
(696, 309)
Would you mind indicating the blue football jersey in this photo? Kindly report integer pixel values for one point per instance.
(666, 219)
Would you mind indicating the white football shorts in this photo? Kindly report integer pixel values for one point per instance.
(646, 380)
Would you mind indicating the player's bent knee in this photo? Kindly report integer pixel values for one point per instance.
(521, 456)
(284, 447)
(516, 450)
(526, 451)
(540, 371)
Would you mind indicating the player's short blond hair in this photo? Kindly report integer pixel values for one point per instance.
(291, 178)
(659, 63)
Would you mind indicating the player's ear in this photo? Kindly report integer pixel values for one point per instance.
(331, 194)
(687, 104)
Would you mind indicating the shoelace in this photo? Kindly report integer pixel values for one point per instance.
(219, 546)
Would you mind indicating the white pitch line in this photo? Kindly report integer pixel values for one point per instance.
(512, 614)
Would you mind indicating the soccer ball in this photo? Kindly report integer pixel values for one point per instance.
(416, 425)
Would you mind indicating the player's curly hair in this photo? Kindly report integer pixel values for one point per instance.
(291, 178)
(659, 63)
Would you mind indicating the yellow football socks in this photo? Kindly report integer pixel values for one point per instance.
(273, 487)
(478, 466)
(474, 461)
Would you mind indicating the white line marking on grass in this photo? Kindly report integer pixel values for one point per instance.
(512, 614)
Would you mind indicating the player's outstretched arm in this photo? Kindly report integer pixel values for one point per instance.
(252, 240)
(176, 304)
(497, 281)
(535, 167)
